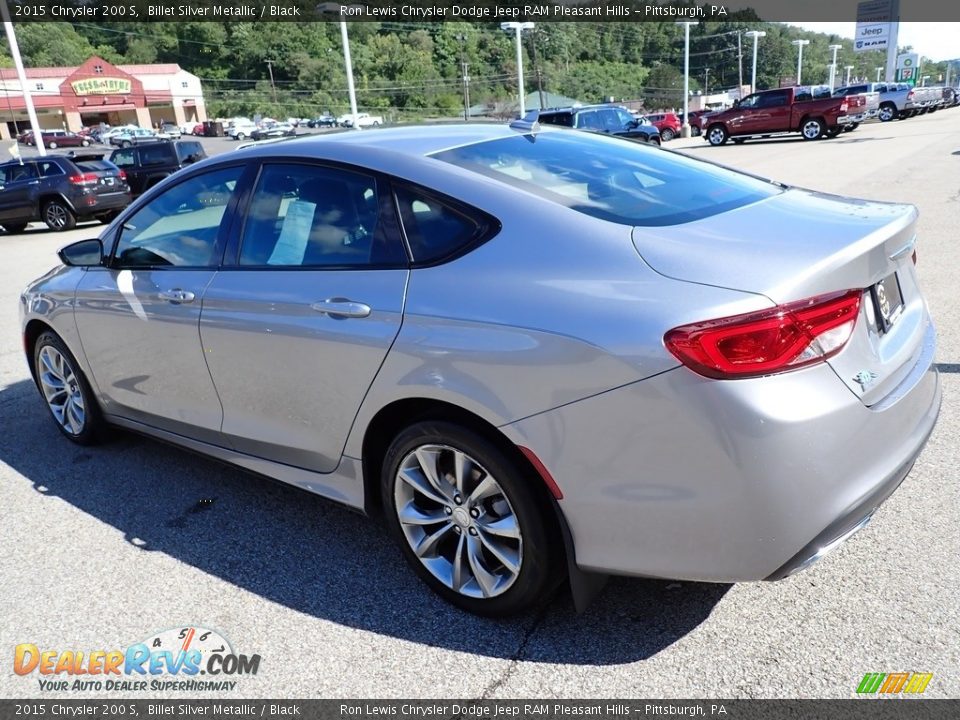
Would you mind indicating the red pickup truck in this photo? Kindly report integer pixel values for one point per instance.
(785, 110)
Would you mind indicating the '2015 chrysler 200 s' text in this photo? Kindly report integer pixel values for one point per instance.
(538, 353)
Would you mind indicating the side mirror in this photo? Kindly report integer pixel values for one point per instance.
(85, 253)
(736, 103)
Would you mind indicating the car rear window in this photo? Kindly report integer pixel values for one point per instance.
(95, 165)
(612, 179)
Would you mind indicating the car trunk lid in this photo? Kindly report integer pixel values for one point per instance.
(800, 244)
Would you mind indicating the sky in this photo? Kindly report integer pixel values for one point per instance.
(937, 41)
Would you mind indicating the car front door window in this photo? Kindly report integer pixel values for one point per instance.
(181, 227)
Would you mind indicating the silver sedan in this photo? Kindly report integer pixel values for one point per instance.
(540, 355)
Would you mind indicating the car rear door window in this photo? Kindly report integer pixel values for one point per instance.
(159, 154)
(181, 226)
(49, 169)
(318, 216)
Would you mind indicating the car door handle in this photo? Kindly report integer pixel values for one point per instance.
(33, 182)
(177, 296)
(341, 307)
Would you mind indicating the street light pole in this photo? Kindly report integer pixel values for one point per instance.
(685, 128)
(519, 28)
(833, 66)
(756, 35)
(849, 68)
(800, 44)
(22, 75)
(879, 72)
(466, 77)
(349, 67)
(739, 62)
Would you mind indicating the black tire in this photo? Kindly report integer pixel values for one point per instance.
(654, 140)
(109, 217)
(126, 144)
(888, 112)
(52, 144)
(667, 135)
(58, 215)
(717, 135)
(93, 426)
(834, 131)
(14, 228)
(539, 563)
(241, 136)
(85, 143)
(812, 128)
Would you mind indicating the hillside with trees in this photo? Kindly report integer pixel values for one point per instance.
(410, 70)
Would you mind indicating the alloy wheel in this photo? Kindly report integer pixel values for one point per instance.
(61, 390)
(458, 521)
(812, 129)
(56, 216)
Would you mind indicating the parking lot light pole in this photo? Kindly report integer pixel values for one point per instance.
(22, 75)
(833, 66)
(848, 69)
(685, 128)
(349, 66)
(800, 44)
(756, 35)
(519, 27)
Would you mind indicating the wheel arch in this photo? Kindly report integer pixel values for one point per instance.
(390, 420)
(50, 196)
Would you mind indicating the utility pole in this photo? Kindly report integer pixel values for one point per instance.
(22, 75)
(273, 86)
(465, 76)
(537, 69)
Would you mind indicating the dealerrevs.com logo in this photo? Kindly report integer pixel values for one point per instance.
(894, 683)
(186, 658)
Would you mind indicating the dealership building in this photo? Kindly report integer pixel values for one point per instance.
(98, 92)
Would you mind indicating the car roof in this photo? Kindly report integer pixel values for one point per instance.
(416, 141)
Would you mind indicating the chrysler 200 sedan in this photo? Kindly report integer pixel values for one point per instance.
(541, 355)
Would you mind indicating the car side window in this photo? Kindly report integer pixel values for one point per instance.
(124, 158)
(19, 173)
(435, 229)
(610, 121)
(589, 120)
(623, 117)
(318, 216)
(749, 102)
(49, 169)
(778, 99)
(158, 154)
(180, 227)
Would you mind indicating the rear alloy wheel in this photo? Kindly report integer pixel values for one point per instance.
(888, 112)
(65, 390)
(85, 143)
(654, 140)
(667, 134)
(52, 144)
(468, 519)
(58, 216)
(717, 135)
(812, 129)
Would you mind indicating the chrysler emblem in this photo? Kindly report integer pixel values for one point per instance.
(865, 378)
(884, 302)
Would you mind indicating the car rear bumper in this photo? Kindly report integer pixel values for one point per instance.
(105, 203)
(683, 477)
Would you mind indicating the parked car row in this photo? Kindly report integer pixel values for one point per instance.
(61, 190)
(608, 119)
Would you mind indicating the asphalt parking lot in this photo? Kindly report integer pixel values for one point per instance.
(106, 546)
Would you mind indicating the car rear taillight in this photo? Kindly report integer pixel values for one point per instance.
(844, 106)
(84, 179)
(123, 175)
(910, 95)
(783, 338)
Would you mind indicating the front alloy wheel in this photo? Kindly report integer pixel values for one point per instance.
(65, 390)
(468, 519)
(717, 135)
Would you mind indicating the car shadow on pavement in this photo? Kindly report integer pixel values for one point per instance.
(315, 557)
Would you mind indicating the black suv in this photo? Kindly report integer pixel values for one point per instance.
(146, 165)
(604, 119)
(61, 189)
